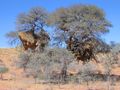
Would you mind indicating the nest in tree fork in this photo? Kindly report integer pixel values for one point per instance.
(31, 40)
(86, 48)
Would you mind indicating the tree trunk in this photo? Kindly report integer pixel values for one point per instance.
(108, 79)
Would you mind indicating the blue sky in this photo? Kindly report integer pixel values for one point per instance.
(11, 8)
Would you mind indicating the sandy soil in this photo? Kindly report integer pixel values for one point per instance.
(15, 81)
(15, 85)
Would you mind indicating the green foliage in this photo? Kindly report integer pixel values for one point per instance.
(80, 19)
(81, 26)
(34, 20)
(77, 21)
(13, 37)
(3, 70)
(116, 48)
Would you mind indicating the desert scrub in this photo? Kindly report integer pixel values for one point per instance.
(3, 70)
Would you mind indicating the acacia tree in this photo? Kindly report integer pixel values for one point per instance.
(108, 61)
(51, 64)
(116, 48)
(83, 24)
(80, 20)
(86, 73)
(34, 20)
(13, 37)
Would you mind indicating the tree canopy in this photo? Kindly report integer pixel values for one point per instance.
(80, 20)
(34, 20)
(80, 27)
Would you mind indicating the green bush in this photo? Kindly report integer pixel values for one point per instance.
(3, 70)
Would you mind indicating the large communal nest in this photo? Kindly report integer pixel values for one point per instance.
(86, 48)
(33, 40)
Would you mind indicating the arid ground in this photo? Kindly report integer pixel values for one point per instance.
(15, 80)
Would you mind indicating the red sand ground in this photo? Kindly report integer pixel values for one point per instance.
(15, 81)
